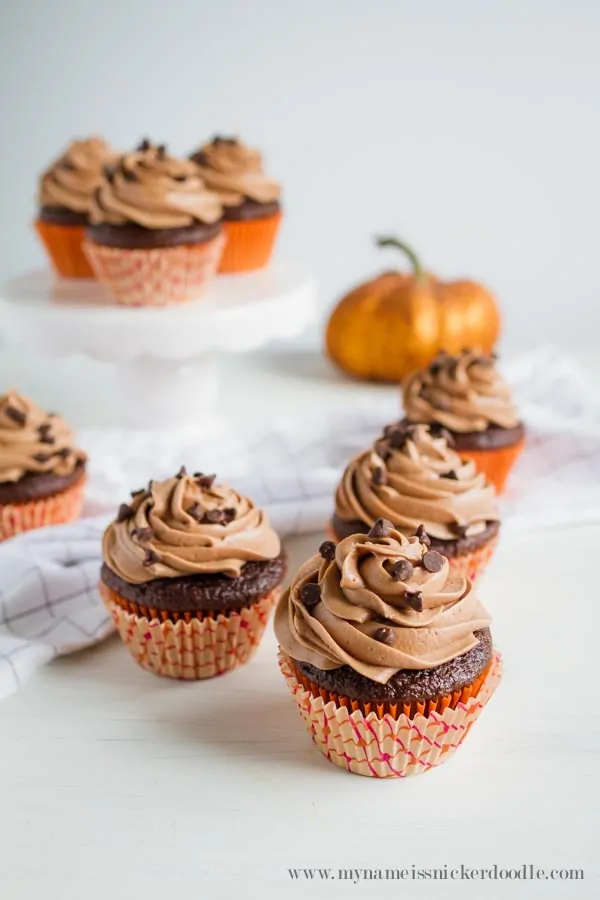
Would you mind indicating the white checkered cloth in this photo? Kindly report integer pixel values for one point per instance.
(49, 604)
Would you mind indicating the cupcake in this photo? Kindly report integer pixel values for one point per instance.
(190, 574)
(65, 195)
(414, 478)
(155, 236)
(387, 653)
(42, 473)
(250, 200)
(467, 396)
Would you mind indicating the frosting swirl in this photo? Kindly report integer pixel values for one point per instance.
(71, 181)
(379, 603)
(34, 442)
(464, 393)
(152, 189)
(412, 476)
(185, 526)
(235, 171)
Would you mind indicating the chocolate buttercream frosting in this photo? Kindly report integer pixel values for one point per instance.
(187, 525)
(235, 171)
(384, 603)
(412, 476)
(152, 189)
(465, 393)
(71, 181)
(33, 442)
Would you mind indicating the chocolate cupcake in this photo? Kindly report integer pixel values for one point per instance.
(42, 473)
(387, 652)
(66, 191)
(467, 396)
(191, 572)
(155, 236)
(251, 201)
(414, 478)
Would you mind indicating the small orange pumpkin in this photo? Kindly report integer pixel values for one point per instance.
(396, 323)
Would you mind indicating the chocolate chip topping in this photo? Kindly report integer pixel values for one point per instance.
(151, 557)
(125, 512)
(204, 481)
(196, 511)
(384, 635)
(379, 476)
(142, 534)
(423, 536)
(43, 457)
(414, 599)
(451, 475)
(401, 570)
(327, 550)
(310, 595)
(214, 517)
(383, 450)
(433, 561)
(230, 514)
(16, 415)
(182, 472)
(143, 145)
(381, 528)
(138, 492)
(44, 433)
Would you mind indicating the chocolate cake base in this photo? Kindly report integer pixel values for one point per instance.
(202, 593)
(60, 215)
(407, 684)
(135, 237)
(493, 438)
(34, 486)
(249, 209)
(450, 548)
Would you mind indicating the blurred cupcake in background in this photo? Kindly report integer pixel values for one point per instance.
(387, 652)
(412, 477)
(65, 194)
(250, 199)
(467, 395)
(155, 237)
(42, 473)
(191, 573)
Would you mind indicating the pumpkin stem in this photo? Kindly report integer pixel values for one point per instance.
(414, 259)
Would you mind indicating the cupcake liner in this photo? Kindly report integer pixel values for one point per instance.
(473, 564)
(64, 246)
(388, 745)
(54, 510)
(161, 276)
(191, 647)
(249, 244)
(495, 464)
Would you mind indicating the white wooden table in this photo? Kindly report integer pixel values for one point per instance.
(118, 784)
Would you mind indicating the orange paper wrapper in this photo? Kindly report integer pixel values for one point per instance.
(249, 244)
(161, 276)
(393, 744)
(495, 464)
(55, 510)
(190, 648)
(64, 244)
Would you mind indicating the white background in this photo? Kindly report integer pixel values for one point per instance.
(471, 127)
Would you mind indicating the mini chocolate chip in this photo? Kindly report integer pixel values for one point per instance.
(182, 472)
(384, 635)
(125, 512)
(379, 476)
(438, 431)
(398, 439)
(381, 528)
(142, 534)
(204, 481)
(383, 450)
(44, 433)
(214, 517)
(150, 557)
(161, 151)
(451, 475)
(401, 570)
(63, 453)
(433, 561)
(196, 511)
(127, 174)
(109, 174)
(423, 536)
(150, 486)
(16, 415)
(414, 599)
(230, 514)
(310, 595)
(327, 550)
(138, 492)
(144, 144)
(42, 457)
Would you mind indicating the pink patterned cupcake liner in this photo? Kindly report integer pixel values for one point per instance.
(54, 510)
(161, 276)
(387, 746)
(198, 648)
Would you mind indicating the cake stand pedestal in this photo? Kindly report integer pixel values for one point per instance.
(162, 362)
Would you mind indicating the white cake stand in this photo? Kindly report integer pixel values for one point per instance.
(164, 357)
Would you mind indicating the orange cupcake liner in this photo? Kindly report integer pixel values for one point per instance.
(187, 646)
(161, 276)
(54, 510)
(249, 244)
(381, 740)
(496, 464)
(64, 244)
